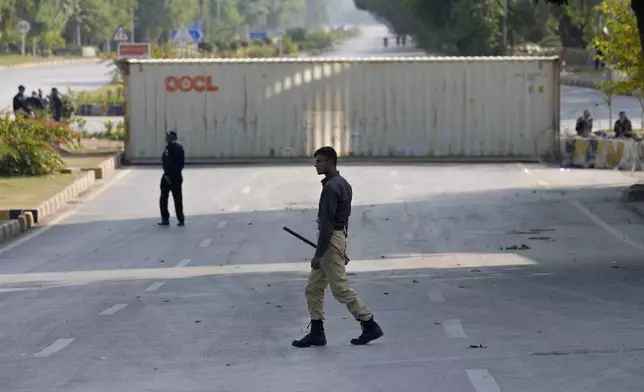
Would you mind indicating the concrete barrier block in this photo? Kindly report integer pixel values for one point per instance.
(29, 216)
(22, 221)
(9, 230)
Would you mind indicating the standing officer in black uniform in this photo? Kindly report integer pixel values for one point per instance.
(328, 264)
(172, 180)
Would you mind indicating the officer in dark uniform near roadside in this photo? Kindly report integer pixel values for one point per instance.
(172, 180)
(328, 264)
(20, 107)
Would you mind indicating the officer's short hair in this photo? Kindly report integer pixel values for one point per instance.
(329, 153)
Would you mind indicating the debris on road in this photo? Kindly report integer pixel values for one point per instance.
(477, 346)
(515, 247)
(531, 231)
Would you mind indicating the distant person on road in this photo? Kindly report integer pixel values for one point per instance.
(584, 126)
(328, 264)
(385, 41)
(404, 40)
(56, 105)
(20, 108)
(623, 126)
(172, 181)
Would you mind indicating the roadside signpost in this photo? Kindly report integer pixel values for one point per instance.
(23, 27)
(258, 35)
(121, 35)
(184, 36)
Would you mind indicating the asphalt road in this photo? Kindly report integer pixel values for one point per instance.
(105, 301)
(485, 278)
(81, 76)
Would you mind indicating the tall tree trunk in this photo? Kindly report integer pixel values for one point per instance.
(638, 8)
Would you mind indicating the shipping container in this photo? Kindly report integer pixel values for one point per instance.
(408, 107)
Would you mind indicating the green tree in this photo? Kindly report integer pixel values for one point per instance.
(638, 9)
(621, 46)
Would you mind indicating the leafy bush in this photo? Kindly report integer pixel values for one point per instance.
(113, 130)
(297, 34)
(289, 46)
(261, 51)
(30, 147)
(112, 94)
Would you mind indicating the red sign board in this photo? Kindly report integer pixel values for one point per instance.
(128, 50)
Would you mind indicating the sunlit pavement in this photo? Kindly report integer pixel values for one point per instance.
(484, 278)
(105, 301)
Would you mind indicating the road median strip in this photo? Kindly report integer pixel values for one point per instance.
(14, 221)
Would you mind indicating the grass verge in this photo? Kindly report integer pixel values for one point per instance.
(28, 192)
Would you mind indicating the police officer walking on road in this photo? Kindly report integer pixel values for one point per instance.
(328, 264)
(172, 180)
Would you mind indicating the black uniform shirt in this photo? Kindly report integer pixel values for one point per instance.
(173, 160)
(334, 209)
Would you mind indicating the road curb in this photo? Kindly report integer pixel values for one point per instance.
(48, 63)
(21, 220)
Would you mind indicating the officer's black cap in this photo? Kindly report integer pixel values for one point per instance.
(172, 133)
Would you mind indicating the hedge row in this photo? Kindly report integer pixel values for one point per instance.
(30, 147)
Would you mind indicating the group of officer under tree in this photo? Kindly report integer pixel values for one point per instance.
(26, 107)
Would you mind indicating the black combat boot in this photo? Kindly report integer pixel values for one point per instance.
(314, 338)
(370, 331)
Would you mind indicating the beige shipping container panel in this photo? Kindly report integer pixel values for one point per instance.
(429, 107)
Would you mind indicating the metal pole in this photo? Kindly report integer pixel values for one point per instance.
(23, 44)
(132, 28)
(505, 26)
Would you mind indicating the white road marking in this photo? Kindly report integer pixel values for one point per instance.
(110, 311)
(155, 286)
(536, 177)
(205, 243)
(435, 295)
(594, 218)
(256, 174)
(184, 262)
(54, 348)
(453, 329)
(599, 222)
(246, 190)
(236, 207)
(221, 224)
(398, 188)
(63, 216)
(482, 380)
(393, 173)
